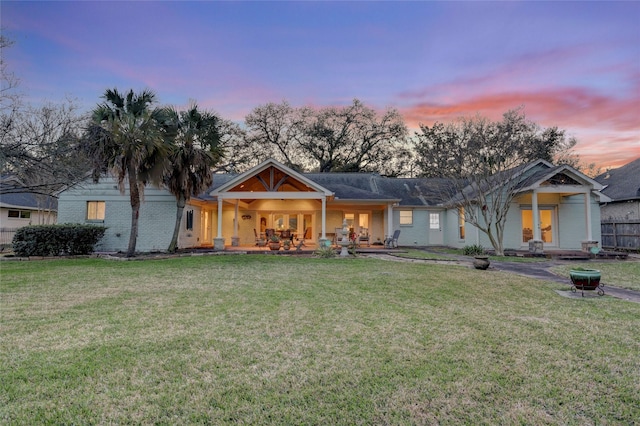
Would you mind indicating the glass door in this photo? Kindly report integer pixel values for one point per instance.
(300, 224)
(547, 227)
(358, 224)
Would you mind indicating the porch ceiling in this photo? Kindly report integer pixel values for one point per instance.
(271, 180)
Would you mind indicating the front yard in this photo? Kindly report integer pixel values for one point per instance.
(286, 340)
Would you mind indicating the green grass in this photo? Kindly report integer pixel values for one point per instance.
(625, 274)
(421, 254)
(285, 340)
(459, 252)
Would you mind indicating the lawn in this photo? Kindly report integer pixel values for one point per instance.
(290, 340)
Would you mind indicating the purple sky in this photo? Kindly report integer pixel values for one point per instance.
(575, 65)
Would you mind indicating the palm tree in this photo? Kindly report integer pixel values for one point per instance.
(196, 149)
(127, 137)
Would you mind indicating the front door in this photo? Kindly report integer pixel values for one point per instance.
(205, 228)
(547, 226)
(435, 229)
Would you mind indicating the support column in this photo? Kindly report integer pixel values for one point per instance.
(535, 245)
(389, 221)
(588, 244)
(218, 241)
(323, 242)
(587, 210)
(235, 240)
(537, 235)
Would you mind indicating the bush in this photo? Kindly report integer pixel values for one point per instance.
(473, 250)
(56, 240)
(325, 252)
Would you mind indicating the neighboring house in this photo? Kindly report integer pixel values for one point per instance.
(562, 201)
(621, 212)
(19, 207)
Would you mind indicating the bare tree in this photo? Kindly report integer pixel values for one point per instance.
(8, 95)
(39, 145)
(485, 162)
(444, 149)
(354, 138)
(277, 130)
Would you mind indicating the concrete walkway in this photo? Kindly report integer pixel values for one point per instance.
(537, 270)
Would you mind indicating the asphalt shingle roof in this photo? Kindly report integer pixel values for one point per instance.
(26, 200)
(622, 183)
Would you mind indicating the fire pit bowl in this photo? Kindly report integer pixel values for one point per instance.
(586, 279)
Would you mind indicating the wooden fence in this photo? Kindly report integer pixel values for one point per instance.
(620, 234)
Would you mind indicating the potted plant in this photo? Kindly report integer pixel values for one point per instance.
(585, 279)
(481, 261)
(274, 242)
(286, 244)
(480, 258)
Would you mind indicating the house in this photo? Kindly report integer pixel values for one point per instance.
(20, 207)
(562, 202)
(621, 212)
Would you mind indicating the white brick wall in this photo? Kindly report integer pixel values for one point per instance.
(157, 215)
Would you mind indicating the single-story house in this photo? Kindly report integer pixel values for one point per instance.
(620, 212)
(19, 207)
(557, 206)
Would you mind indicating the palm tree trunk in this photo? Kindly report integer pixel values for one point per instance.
(134, 196)
(181, 202)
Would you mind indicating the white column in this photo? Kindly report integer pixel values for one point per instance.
(220, 201)
(324, 218)
(389, 220)
(536, 216)
(587, 210)
(235, 221)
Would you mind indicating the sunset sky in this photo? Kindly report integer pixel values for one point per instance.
(575, 65)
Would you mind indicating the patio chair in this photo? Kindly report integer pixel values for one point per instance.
(268, 233)
(260, 239)
(286, 235)
(363, 237)
(392, 242)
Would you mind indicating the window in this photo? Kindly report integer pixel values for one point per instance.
(406, 217)
(363, 220)
(189, 220)
(461, 223)
(434, 220)
(95, 210)
(20, 214)
(350, 218)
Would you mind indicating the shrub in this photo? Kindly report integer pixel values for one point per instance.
(56, 240)
(473, 250)
(325, 252)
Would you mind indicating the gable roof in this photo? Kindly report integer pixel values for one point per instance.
(267, 178)
(371, 187)
(557, 175)
(623, 183)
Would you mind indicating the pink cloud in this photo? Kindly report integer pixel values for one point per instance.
(607, 128)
